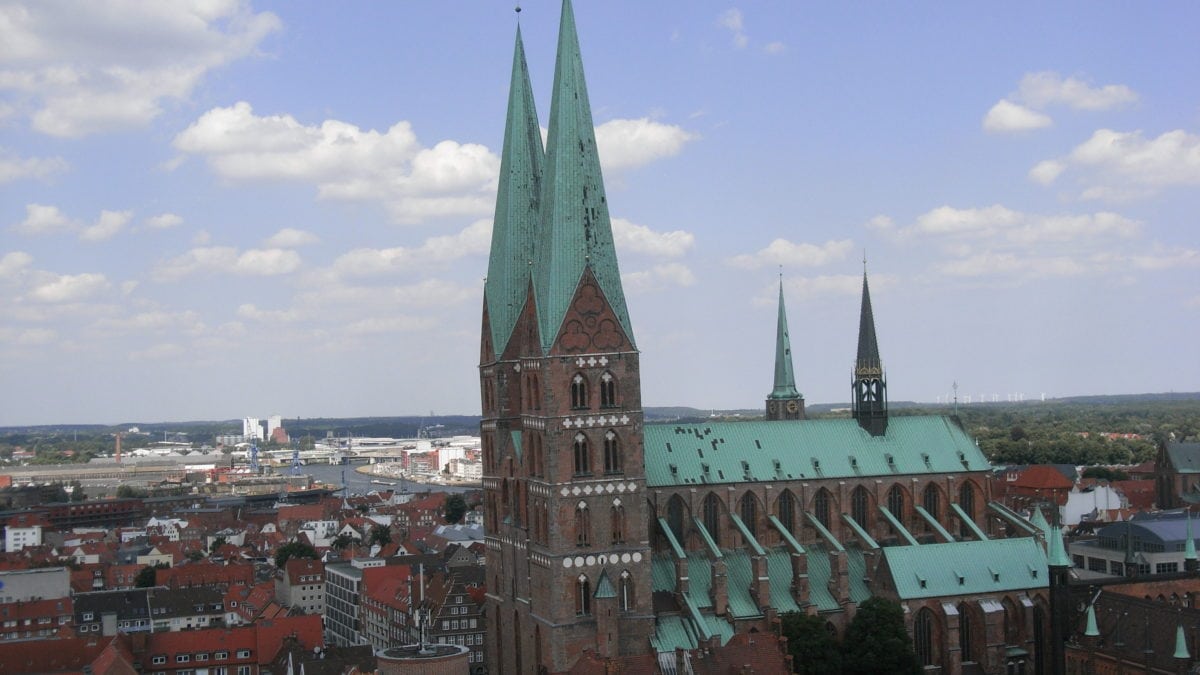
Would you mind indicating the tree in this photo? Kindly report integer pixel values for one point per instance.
(814, 650)
(342, 542)
(130, 491)
(148, 576)
(217, 543)
(876, 641)
(380, 534)
(455, 508)
(294, 549)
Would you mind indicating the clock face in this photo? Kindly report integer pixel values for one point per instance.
(773, 407)
(793, 406)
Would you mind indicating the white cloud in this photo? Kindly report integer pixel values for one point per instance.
(253, 313)
(1119, 165)
(999, 223)
(227, 260)
(111, 64)
(881, 223)
(164, 221)
(68, 287)
(166, 351)
(632, 238)
(732, 20)
(801, 288)
(156, 321)
(775, 48)
(29, 337)
(658, 277)
(390, 324)
(1008, 117)
(12, 264)
(475, 239)
(107, 226)
(1047, 171)
(345, 162)
(993, 263)
(628, 143)
(44, 219)
(1048, 88)
(791, 254)
(13, 167)
(290, 238)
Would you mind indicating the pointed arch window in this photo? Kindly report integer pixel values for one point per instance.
(821, 506)
(712, 516)
(535, 392)
(583, 596)
(579, 392)
(964, 633)
(895, 502)
(612, 452)
(931, 500)
(923, 637)
(617, 518)
(748, 510)
(583, 525)
(675, 516)
(860, 505)
(608, 390)
(786, 510)
(966, 501)
(583, 461)
(626, 591)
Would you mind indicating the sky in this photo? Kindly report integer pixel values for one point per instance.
(216, 209)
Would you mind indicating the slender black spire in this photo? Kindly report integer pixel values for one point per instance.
(869, 399)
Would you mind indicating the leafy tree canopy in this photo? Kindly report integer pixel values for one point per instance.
(814, 650)
(294, 549)
(876, 641)
(455, 508)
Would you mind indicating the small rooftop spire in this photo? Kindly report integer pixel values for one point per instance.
(1057, 555)
(1181, 648)
(1092, 629)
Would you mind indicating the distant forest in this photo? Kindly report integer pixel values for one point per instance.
(1092, 430)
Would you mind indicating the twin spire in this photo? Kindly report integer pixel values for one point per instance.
(552, 225)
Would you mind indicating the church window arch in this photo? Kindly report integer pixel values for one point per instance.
(608, 390)
(1013, 622)
(675, 513)
(626, 591)
(612, 452)
(785, 510)
(932, 501)
(923, 637)
(1039, 640)
(579, 392)
(583, 460)
(965, 628)
(966, 501)
(583, 596)
(822, 505)
(712, 516)
(860, 506)
(535, 392)
(748, 510)
(896, 504)
(583, 525)
(617, 520)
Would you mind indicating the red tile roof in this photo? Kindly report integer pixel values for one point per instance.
(1043, 477)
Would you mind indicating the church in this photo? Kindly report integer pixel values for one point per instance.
(617, 542)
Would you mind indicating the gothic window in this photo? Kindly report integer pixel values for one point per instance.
(1039, 640)
(608, 390)
(860, 506)
(583, 525)
(964, 633)
(786, 507)
(579, 391)
(618, 522)
(931, 501)
(535, 451)
(923, 637)
(612, 452)
(966, 501)
(821, 506)
(583, 596)
(504, 498)
(675, 516)
(583, 464)
(535, 392)
(748, 508)
(895, 502)
(626, 591)
(1012, 622)
(712, 516)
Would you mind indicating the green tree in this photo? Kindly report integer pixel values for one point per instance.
(217, 543)
(380, 534)
(455, 508)
(814, 650)
(342, 542)
(876, 641)
(130, 491)
(148, 576)
(294, 549)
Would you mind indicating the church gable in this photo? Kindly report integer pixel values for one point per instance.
(590, 325)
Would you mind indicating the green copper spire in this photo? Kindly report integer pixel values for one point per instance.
(575, 233)
(516, 219)
(1039, 520)
(1181, 650)
(785, 379)
(1092, 629)
(1058, 551)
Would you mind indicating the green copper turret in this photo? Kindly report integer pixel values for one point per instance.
(785, 401)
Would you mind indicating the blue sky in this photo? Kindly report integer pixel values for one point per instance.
(222, 209)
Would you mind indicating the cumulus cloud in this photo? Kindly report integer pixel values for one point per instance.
(1049, 88)
(165, 351)
(1046, 172)
(625, 143)
(12, 264)
(68, 287)
(290, 238)
(156, 321)
(1008, 117)
(1121, 165)
(732, 20)
(44, 219)
(658, 277)
(253, 313)
(107, 226)
(1000, 223)
(13, 167)
(227, 260)
(475, 239)
(164, 221)
(802, 288)
(791, 254)
(633, 238)
(83, 68)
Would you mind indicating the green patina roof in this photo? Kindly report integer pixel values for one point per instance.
(1092, 629)
(575, 232)
(604, 587)
(967, 567)
(516, 219)
(677, 454)
(1185, 457)
(1057, 554)
(785, 378)
(1181, 649)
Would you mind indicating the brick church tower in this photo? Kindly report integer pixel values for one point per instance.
(568, 554)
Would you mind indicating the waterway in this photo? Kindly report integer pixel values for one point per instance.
(358, 484)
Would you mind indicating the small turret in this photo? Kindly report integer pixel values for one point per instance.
(869, 401)
(785, 402)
